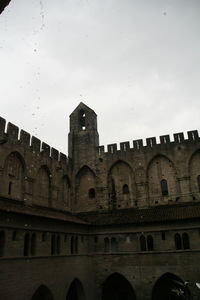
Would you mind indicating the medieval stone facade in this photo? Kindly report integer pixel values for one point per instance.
(119, 224)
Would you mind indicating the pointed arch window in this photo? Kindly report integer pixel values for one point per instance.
(150, 245)
(58, 244)
(53, 248)
(114, 244)
(186, 241)
(125, 189)
(198, 182)
(164, 187)
(33, 244)
(10, 188)
(14, 235)
(178, 242)
(76, 245)
(26, 244)
(72, 245)
(29, 244)
(14, 175)
(143, 243)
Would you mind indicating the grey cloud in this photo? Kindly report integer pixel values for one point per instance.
(134, 62)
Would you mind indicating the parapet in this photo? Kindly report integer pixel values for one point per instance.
(11, 133)
(178, 138)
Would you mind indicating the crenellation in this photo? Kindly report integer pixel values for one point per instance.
(25, 137)
(35, 143)
(193, 135)
(101, 150)
(12, 131)
(2, 126)
(150, 142)
(179, 137)
(165, 139)
(112, 148)
(98, 214)
(63, 157)
(138, 144)
(45, 149)
(54, 153)
(125, 146)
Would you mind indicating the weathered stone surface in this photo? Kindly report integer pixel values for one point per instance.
(131, 212)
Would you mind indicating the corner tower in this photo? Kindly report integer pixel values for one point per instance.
(83, 136)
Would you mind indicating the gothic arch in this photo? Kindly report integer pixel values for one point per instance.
(85, 182)
(169, 286)
(42, 293)
(162, 180)
(43, 186)
(121, 185)
(194, 172)
(13, 176)
(117, 287)
(76, 291)
(66, 191)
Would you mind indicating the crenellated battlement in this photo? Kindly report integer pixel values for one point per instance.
(151, 142)
(11, 133)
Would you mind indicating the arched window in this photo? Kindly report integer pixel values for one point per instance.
(72, 245)
(33, 244)
(125, 189)
(106, 245)
(76, 245)
(164, 187)
(143, 243)
(198, 182)
(14, 176)
(65, 238)
(178, 243)
(14, 235)
(186, 241)
(53, 248)
(44, 237)
(2, 243)
(58, 244)
(150, 246)
(10, 188)
(91, 193)
(114, 244)
(85, 183)
(26, 244)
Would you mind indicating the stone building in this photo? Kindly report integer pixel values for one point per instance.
(119, 224)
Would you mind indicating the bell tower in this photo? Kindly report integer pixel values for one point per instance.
(83, 136)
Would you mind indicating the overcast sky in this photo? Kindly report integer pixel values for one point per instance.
(135, 62)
